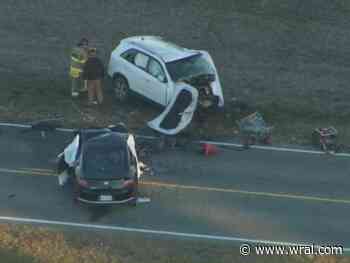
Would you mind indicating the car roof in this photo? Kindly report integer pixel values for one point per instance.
(163, 49)
(106, 140)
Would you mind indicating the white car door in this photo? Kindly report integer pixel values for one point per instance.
(135, 72)
(156, 82)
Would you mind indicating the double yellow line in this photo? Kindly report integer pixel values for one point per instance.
(28, 171)
(48, 172)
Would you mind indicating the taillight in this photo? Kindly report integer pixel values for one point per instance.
(129, 183)
(82, 182)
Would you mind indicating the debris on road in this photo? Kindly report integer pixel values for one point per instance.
(253, 129)
(142, 200)
(63, 178)
(326, 138)
(11, 196)
(43, 126)
(209, 149)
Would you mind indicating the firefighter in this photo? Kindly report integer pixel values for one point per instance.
(78, 59)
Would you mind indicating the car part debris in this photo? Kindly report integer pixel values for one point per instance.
(326, 139)
(209, 149)
(63, 178)
(43, 126)
(253, 129)
(142, 200)
(178, 114)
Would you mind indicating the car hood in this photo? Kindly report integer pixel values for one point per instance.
(179, 112)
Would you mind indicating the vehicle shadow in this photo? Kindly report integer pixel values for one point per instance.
(97, 213)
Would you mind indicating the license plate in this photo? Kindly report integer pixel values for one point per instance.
(106, 198)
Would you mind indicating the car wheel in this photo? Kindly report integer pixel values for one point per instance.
(121, 88)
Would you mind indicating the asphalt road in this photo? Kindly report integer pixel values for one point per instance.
(255, 194)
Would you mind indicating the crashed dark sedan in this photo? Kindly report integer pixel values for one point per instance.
(103, 166)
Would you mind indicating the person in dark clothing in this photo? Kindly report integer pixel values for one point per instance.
(94, 73)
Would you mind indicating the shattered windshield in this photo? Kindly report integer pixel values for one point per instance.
(189, 67)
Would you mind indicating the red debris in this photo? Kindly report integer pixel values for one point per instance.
(209, 149)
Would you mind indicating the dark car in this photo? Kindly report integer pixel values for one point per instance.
(104, 167)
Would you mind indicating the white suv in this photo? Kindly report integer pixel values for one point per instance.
(155, 68)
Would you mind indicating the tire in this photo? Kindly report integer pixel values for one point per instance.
(120, 87)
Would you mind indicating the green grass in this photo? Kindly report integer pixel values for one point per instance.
(14, 256)
(31, 100)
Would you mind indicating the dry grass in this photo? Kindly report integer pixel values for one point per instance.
(28, 244)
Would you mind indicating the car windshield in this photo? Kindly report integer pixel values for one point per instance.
(189, 67)
(102, 164)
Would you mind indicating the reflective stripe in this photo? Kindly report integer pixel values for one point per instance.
(75, 72)
(80, 61)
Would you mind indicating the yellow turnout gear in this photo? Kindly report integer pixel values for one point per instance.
(78, 59)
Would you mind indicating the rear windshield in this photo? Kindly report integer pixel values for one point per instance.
(101, 164)
(189, 67)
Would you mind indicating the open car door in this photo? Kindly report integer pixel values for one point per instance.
(179, 113)
(132, 148)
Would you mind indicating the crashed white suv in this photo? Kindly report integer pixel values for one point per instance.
(156, 69)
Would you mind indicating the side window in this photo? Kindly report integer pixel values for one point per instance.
(155, 69)
(141, 61)
(129, 55)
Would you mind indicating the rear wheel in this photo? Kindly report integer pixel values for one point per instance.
(120, 87)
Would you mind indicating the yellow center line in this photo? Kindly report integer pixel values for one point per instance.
(28, 172)
(243, 192)
(31, 171)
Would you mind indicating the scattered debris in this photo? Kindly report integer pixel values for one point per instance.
(253, 128)
(43, 126)
(63, 178)
(142, 200)
(209, 149)
(238, 106)
(326, 138)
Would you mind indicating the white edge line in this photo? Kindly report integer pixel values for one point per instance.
(259, 147)
(150, 231)
(14, 125)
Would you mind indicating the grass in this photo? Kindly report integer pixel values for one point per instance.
(29, 244)
(35, 99)
(287, 57)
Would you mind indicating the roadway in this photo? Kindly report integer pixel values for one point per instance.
(253, 194)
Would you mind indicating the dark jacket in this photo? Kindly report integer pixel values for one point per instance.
(93, 69)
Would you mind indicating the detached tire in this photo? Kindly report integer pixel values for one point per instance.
(120, 88)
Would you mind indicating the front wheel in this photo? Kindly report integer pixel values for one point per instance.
(121, 88)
